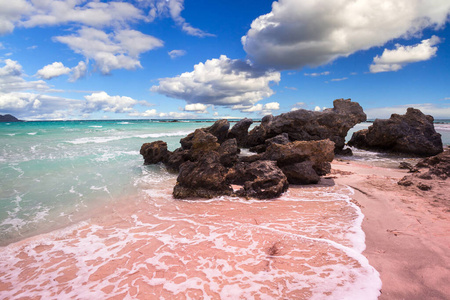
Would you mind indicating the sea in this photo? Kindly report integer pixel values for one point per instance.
(81, 217)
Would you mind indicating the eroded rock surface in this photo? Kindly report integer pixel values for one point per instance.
(411, 133)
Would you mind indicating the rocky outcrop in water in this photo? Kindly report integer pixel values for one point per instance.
(293, 148)
(305, 125)
(411, 133)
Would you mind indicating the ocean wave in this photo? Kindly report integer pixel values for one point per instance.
(106, 139)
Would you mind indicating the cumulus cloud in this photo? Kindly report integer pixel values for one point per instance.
(101, 101)
(53, 70)
(79, 71)
(197, 107)
(91, 13)
(148, 113)
(394, 60)
(172, 8)
(117, 50)
(265, 109)
(176, 53)
(299, 33)
(11, 12)
(12, 79)
(220, 81)
(437, 111)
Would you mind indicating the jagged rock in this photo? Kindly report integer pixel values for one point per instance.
(281, 139)
(204, 178)
(176, 159)
(240, 131)
(259, 134)
(408, 166)
(228, 152)
(320, 153)
(438, 165)
(155, 152)
(202, 142)
(305, 125)
(412, 133)
(405, 181)
(423, 186)
(219, 129)
(301, 173)
(261, 179)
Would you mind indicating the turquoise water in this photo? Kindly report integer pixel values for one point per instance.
(53, 174)
(56, 173)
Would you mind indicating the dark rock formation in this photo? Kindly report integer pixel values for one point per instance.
(204, 178)
(305, 125)
(260, 179)
(438, 165)
(412, 133)
(240, 131)
(301, 173)
(431, 169)
(208, 163)
(228, 152)
(8, 118)
(155, 152)
(320, 153)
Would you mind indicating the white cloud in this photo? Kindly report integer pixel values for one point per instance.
(437, 111)
(101, 101)
(317, 108)
(173, 8)
(177, 115)
(339, 79)
(10, 13)
(147, 113)
(197, 107)
(272, 106)
(176, 53)
(220, 82)
(79, 71)
(53, 70)
(317, 74)
(111, 51)
(11, 79)
(394, 60)
(90, 13)
(315, 32)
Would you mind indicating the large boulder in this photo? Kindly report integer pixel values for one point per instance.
(155, 152)
(261, 179)
(301, 173)
(305, 125)
(204, 178)
(320, 153)
(219, 129)
(438, 165)
(240, 131)
(229, 152)
(411, 133)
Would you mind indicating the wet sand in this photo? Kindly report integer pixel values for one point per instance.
(407, 230)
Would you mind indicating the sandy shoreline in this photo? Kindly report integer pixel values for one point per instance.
(407, 230)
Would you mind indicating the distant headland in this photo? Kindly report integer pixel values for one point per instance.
(8, 118)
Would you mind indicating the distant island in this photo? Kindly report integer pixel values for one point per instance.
(8, 118)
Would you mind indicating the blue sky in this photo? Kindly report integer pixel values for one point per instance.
(84, 59)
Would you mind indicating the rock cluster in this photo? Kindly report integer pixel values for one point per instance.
(306, 125)
(427, 170)
(293, 148)
(412, 133)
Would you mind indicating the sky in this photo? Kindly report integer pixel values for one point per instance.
(203, 59)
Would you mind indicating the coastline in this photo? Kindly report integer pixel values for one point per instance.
(407, 230)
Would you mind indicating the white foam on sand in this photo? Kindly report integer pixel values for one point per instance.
(306, 245)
